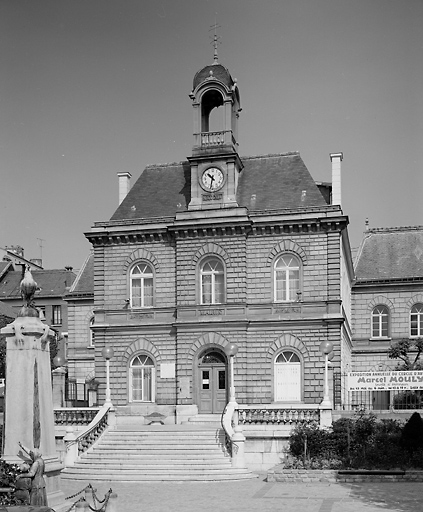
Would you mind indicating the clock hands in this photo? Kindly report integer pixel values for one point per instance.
(211, 179)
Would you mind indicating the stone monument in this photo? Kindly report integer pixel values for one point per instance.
(28, 415)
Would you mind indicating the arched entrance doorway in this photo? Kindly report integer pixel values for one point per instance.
(212, 381)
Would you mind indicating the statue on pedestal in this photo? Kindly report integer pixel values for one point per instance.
(37, 494)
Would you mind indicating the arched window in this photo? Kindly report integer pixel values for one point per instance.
(416, 320)
(380, 322)
(142, 379)
(287, 278)
(212, 281)
(141, 286)
(287, 377)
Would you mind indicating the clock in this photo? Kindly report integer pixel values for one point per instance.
(212, 179)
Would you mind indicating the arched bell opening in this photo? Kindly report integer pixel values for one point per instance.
(212, 120)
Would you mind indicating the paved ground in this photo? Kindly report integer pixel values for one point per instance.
(259, 495)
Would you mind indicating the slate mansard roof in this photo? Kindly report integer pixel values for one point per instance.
(391, 253)
(53, 283)
(83, 285)
(268, 182)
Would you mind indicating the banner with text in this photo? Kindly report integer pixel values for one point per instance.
(384, 381)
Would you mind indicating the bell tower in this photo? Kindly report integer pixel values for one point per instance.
(215, 163)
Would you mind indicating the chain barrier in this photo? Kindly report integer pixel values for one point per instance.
(78, 493)
(95, 499)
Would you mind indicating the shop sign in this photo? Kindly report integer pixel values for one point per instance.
(384, 381)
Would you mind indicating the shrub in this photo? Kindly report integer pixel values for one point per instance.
(412, 434)
(8, 473)
(359, 442)
(408, 400)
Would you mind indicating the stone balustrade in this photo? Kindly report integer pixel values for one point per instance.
(72, 416)
(276, 415)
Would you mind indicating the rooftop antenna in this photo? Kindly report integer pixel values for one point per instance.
(215, 40)
(40, 245)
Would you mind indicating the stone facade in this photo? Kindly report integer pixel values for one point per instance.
(169, 352)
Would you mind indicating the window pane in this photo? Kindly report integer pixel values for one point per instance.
(219, 288)
(207, 289)
(137, 384)
(148, 292)
(294, 282)
(222, 379)
(147, 384)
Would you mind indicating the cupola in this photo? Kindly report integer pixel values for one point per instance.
(214, 88)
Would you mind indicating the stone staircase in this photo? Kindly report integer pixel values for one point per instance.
(189, 452)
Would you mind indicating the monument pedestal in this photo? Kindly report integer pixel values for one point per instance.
(28, 412)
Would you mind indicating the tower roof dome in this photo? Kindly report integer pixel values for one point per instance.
(216, 71)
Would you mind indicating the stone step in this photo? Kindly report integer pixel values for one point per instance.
(160, 475)
(164, 455)
(167, 444)
(157, 454)
(155, 465)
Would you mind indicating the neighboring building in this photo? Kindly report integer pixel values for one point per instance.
(387, 298)
(80, 350)
(216, 250)
(48, 300)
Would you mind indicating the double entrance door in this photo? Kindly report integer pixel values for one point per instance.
(212, 383)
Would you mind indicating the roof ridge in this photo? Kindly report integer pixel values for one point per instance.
(287, 153)
(250, 157)
(394, 229)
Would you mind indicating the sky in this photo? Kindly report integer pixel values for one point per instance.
(90, 88)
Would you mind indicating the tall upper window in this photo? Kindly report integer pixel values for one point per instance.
(380, 322)
(141, 286)
(142, 379)
(212, 277)
(416, 320)
(57, 315)
(287, 278)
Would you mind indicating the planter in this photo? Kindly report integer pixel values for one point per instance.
(281, 474)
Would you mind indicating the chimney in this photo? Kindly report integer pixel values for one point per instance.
(124, 184)
(336, 159)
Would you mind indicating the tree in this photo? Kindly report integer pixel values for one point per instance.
(408, 352)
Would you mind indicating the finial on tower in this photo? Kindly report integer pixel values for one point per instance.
(215, 40)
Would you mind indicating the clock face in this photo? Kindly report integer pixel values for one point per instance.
(212, 179)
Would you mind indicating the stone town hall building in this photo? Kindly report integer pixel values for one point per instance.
(215, 250)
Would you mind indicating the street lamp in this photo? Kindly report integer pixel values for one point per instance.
(326, 347)
(59, 361)
(231, 350)
(107, 353)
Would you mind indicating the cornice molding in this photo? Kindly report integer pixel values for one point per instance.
(265, 224)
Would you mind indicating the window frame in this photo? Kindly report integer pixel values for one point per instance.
(379, 334)
(419, 320)
(299, 361)
(288, 280)
(56, 310)
(153, 376)
(142, 277)
(213, 284)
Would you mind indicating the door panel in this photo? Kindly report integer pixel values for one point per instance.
(220, 395)
(213, 395)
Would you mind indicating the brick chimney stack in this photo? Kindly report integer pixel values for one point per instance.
(336, 159)
(124, 184)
